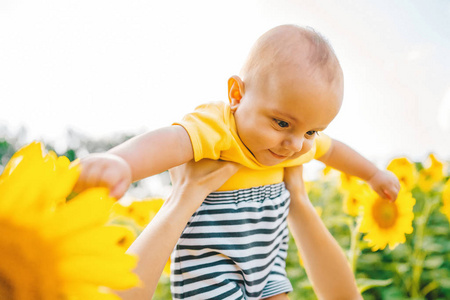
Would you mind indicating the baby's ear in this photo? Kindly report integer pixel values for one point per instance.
(235, 91)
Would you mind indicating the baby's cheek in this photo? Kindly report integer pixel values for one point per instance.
(307, 145)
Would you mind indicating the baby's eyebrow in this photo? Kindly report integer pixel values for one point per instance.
(293, 118)
(287, 115)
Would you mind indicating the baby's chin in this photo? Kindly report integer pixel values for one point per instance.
(278, 161)
(296, 155)
(271, 162)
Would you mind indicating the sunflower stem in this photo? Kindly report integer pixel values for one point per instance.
(354, 249)
(419, 255)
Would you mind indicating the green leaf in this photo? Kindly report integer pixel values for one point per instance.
(432, 247)
(365, 284)
(433, 262)
(444, 282)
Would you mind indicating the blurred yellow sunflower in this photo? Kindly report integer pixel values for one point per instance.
(327, 170)
(386, 222)
(355, 192)
(405, 171)
(330, 172)
(52, 251)
(140, 211)
(349, 182)
(137, 215)
(431, 174)
(355, 197)
(446, 200)
(126, 235)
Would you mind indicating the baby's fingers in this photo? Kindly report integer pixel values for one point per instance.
(93, 176)
(119, 189)
(385, 193)
(391, 193)
(117, 181)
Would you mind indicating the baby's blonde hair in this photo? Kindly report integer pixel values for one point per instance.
(292, 45)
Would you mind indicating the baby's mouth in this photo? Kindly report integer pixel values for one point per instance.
(277, 155)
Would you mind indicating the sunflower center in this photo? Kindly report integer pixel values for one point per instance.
(403, 179)
(6, 288)
(385, 213)
(27, 270)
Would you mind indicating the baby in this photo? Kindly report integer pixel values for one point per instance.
(234, 247)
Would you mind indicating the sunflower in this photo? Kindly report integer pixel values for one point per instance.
(432, 174)
(405, 171)
(355, 197)
(329, 171)
(355, 192)
(140, 211)
(348, 182)
(126, 235)
(137, 215)
(446, 200)
(386, 222)
(51, 249)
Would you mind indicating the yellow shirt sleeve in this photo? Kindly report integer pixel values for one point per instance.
(323, 143)
(208, 130)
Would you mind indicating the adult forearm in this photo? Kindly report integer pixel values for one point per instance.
(324, 261)
(192, 182)
(155, 244)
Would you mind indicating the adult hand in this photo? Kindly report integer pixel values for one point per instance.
(195, 180)
(293, 179)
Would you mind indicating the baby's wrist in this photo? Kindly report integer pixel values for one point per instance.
(372, 174)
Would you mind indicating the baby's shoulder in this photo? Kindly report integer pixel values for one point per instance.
(216, 105)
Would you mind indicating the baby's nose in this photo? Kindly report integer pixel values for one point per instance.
(295, 144)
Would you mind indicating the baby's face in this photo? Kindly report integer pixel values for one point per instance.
(280, 119)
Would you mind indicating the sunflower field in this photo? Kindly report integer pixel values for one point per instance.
(58, 245)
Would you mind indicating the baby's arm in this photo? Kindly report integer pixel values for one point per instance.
(142, 156)
(345, 159)
(324, 261)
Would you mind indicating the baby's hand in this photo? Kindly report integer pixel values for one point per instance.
(385, 184)
(106, 170)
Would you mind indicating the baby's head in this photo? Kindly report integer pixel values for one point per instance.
(290, 87)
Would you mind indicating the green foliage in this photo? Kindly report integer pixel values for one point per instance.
(417, 269)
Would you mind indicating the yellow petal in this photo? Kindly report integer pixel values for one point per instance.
(26, 175)
(88, 291)
(112, 271)
(89, 208)
(104, 240)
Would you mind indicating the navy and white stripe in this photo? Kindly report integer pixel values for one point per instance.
(234, 246)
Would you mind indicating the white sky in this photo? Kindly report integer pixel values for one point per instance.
(103, 67)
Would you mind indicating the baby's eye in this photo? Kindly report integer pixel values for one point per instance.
(282, 124)
(311, 132)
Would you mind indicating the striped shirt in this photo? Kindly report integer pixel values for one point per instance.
(234, 246)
